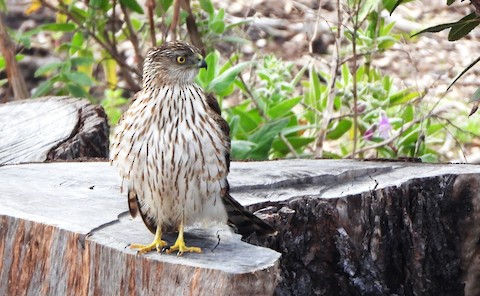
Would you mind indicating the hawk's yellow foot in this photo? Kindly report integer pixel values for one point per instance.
(180, 244)
(157, 243)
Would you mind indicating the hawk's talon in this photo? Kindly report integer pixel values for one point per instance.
(180, 244)
(181, 248)
(157, 244)
(143, 249)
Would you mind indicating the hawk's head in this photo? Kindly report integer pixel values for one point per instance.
(174, 62)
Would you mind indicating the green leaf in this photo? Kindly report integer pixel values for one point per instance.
(207, 75)
(47, 68)
(18, 57)
(78, 13)
(99, 5)
(226, 78)
(435, 29)
(314, 90)
(264, 138)
(54, 27)
(410, 138)
(283, 107)
(464, 26)
(79, 78)
(217, 25)
(165, 4)
(433, 128)
(207, 5)
(133, 5)
(234, 123)
(365, 8)
(340, 129)
(81, 61)
(296, 142)
(247, 122)
(298, 128)
(476, 96)
(240, 149)
(409, 113)
(385, 42)
(76, 90)
(226, 91)
(403, 96)
(391, 8)
(43, 89)
(77, 40)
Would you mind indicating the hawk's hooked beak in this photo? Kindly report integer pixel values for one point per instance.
(201, 63)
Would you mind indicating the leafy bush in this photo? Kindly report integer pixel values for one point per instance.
(348, 110)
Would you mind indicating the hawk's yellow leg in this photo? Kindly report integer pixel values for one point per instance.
(157, 243)
(180, 244)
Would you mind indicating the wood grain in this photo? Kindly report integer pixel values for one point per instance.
(67, 233)
(344, 228)
(52, 128)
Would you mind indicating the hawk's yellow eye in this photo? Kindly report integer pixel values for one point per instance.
(181, 60)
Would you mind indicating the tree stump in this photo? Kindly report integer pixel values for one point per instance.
(65, 230)
(344, 228)
(364, 228)
(52, 128)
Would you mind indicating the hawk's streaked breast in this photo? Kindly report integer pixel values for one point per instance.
(169, 150)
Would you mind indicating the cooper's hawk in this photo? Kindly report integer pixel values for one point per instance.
(172, 149)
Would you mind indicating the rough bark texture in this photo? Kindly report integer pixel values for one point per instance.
(394, 241)
(52, 128)
(344, 228)
(397, 229)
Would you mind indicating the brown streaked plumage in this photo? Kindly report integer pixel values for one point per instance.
(172, 150)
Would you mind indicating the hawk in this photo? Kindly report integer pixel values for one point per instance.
(172, 150)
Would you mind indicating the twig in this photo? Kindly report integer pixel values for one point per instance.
(254, 99)
(114, 19)
(132, 37)
(289, 145)
(327, 114)
(110, 49)
(354, 76)
(150, 10)
(176, 14)
(315, 32)
(14, 76)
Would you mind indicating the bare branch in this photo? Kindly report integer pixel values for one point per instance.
(14, 76)
(132, 37)
(336, 62)
(151, 10)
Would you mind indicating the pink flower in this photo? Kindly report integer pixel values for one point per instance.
(384, 126)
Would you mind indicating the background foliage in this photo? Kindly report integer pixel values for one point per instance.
(274, 109)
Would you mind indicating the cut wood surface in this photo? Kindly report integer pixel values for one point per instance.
(344, 228)
(64, 230)
(52, 128)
